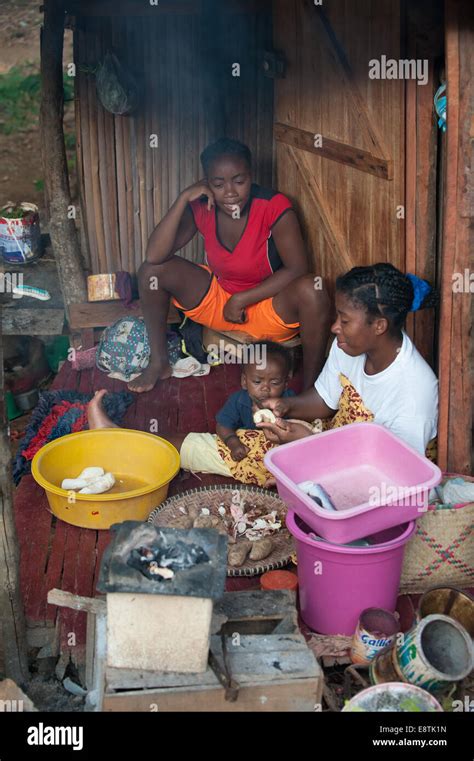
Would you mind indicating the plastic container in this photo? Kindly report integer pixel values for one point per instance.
(279, 580)
(374, 479)
(395, 696)
(336, 583)
(27, 400)
(12, 410)
(57, 352)
(142, 459)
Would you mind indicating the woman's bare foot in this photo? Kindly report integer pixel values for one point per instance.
(96, 414)
(149, 377)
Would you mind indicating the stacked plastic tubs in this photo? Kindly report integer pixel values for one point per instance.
(379, 486)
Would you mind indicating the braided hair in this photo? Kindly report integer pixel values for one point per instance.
(383, 291)
(225, 147)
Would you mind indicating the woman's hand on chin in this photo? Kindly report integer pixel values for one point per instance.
(282, 432)
(234, 310)
(199, 189)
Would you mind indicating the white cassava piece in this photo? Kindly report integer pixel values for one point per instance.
(263, 416)
(92, 480)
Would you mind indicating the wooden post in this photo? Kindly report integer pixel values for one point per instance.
(455, 413)
(12, 618)
(61, 228)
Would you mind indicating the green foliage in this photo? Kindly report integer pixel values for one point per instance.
(19, 98)
(14, 212)
(20, 92)
(70, 141)
(68, 86)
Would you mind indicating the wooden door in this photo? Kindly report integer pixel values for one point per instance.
(339, 134)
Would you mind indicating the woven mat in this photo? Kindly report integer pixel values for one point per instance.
(213, 496)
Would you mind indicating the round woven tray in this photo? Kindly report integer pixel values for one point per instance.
(213, 496)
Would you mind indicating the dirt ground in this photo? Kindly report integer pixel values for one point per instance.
(20, 158)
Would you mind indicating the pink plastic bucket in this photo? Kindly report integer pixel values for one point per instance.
(337, 582)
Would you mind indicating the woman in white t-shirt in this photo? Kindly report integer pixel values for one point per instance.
(373, 371)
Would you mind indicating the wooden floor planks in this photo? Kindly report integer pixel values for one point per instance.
(55, 554)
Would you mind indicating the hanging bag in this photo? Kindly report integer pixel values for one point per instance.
(116, 87)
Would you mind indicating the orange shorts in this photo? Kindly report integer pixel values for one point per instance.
(262, 320)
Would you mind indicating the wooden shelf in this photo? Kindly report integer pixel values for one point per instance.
(29, 316)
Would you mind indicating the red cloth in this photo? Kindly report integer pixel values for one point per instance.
(52, 420)
(255, 256)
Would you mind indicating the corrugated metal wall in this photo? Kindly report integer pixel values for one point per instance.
(189, 97)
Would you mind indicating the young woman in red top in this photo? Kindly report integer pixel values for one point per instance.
(256, 279)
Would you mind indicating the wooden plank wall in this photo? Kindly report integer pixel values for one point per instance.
(424, 40)
(455, 370)
(349, 214)
(183, 62)
(243, 31)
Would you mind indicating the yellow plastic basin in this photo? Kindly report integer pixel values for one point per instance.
(143, 466)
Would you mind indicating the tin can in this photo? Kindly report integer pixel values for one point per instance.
(376, 630)
(384, 668)
(20, 237)
(449, 601)
(102, 288)
(435, 652)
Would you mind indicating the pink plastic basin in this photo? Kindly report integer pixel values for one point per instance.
(337, 583)
(374, 479)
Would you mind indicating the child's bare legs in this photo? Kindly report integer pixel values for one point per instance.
(98, 418)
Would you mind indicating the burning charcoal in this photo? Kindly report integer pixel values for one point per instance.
(161, 561)
(136, 557)
(181, 556)
(147, 553)
(135, 561)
